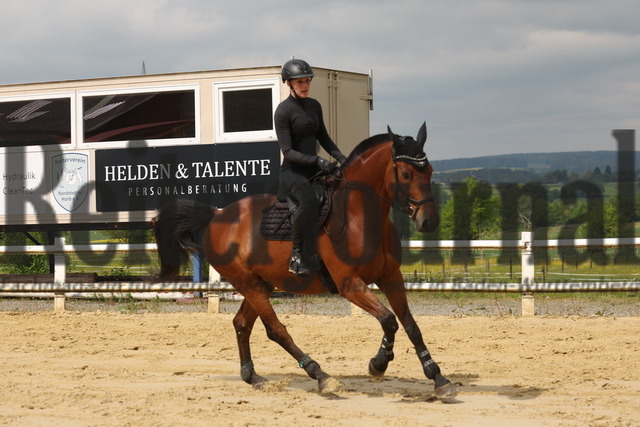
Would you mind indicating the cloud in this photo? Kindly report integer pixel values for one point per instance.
(489, 77)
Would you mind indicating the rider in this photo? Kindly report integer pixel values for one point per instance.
(299, 125)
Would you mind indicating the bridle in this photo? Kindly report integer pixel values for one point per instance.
(411, 205)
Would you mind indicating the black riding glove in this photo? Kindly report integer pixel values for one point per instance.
(341, 159)
(325, 165)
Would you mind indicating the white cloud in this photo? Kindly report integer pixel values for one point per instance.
(493, 76)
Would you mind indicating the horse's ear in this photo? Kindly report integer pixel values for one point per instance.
(391, 136)
(422, 134)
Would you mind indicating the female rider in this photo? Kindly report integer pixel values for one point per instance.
(299, 126)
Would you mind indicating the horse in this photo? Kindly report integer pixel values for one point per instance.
(357, 243)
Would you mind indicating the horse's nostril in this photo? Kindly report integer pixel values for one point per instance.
(427, 225)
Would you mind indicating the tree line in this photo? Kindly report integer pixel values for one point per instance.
(516, 175)
(473, 209)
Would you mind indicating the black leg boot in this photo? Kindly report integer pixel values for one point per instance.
(296, 264)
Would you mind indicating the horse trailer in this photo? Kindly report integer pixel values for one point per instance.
(107, 152)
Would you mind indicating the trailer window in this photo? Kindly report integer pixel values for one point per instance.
(28, 122)
(245, 110)
(139, 116)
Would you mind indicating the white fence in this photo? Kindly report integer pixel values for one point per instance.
(527, 285)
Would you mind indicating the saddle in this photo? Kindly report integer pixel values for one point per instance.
(276, 223)
(276, 219)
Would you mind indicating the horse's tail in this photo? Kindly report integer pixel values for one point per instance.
(179, 227)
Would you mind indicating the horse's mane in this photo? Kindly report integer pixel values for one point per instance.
(366, 145)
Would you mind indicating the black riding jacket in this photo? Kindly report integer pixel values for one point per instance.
(299, 125)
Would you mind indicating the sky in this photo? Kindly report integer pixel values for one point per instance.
(488, 77)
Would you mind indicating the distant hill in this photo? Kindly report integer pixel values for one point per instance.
(538, 163)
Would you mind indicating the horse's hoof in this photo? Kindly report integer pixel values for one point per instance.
(328, 385)
(373, 371)
(258, 382)
(446, 392)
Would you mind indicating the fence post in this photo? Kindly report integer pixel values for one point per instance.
(59, 274)
(213, 297)
(528, 273)
(213, 302)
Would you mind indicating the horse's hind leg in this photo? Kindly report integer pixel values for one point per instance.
(396, 294)
(258, 299)
(243, 323)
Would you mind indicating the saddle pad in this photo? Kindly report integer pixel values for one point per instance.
(276, 219)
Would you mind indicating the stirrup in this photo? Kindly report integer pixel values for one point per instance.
(297, 267)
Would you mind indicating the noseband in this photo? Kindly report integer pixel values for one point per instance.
(411, 206)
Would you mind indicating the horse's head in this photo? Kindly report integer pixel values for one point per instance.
(412, 179)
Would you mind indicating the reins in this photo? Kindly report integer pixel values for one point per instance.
(412, 207)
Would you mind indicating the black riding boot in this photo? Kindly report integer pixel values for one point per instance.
(303, 219)
(296, 264)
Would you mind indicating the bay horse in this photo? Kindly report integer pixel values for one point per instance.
(357, 243)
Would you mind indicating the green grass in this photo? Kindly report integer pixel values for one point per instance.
(486, 266)
(114, 264)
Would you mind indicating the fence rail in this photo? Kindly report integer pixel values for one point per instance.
(527, 285)
(519, 244)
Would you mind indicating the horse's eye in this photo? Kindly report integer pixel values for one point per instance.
(406, 175)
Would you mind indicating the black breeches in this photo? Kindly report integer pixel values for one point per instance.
(296, 188)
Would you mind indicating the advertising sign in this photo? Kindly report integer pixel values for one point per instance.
(23, 183)
(70, 177)
(140, 179)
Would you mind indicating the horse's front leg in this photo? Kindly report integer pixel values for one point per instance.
(443, 388)
(379, 363)
(396, 294)
(359, 294)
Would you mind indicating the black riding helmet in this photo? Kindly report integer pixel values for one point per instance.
(296, 69)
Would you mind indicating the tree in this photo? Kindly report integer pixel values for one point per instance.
(558, 176)
(472, 212)
(610, 217)
(23, 263)
(597, 174)
(608, 176)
